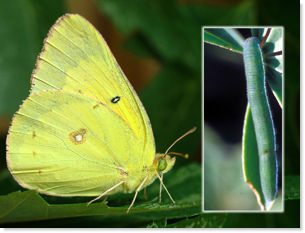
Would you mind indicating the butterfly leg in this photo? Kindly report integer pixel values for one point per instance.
(160, 187)
(145, 196)
(165, 187)
(135, 196)
(105, 199)
(107, 191)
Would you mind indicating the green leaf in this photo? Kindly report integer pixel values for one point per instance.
(15, 206)
(23, 25)
(170, 29)
(152, 20)
(227, 38)
(275, 39)
(237, 14)
(7, 183)
(174, 109)
(199, 221)
(273, 64)
(250, 159)
(292, 187)
(274, 79)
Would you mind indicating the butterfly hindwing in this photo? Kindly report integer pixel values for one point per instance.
(68, 144)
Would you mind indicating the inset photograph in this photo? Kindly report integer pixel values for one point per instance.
(243, 119)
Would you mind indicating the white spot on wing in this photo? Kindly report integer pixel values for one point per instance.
(78, 137)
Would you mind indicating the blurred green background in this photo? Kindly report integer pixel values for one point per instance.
(158, 45)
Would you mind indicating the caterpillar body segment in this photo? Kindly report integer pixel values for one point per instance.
(262, 118)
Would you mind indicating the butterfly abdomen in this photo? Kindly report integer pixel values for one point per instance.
(135, 177)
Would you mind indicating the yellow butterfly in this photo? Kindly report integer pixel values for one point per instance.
(83, 130)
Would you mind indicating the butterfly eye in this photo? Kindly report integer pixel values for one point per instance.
(115, 99)
(162, 164)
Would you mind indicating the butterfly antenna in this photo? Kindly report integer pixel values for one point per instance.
(186, 156)
(187, 133)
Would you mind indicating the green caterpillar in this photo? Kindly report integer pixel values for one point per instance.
(262, 118)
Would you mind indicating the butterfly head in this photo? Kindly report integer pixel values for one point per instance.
(164, 163)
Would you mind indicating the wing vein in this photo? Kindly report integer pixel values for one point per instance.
(107, 52)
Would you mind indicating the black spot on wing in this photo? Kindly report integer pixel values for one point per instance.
(116, 99)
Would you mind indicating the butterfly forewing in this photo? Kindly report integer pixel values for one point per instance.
(76, 58)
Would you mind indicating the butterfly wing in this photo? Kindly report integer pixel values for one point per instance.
(76, 58)
(67, 144)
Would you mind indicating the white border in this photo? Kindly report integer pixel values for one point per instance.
(283, 125)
